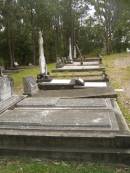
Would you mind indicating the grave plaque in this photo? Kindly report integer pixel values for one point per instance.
(30, 86)
(5, 88)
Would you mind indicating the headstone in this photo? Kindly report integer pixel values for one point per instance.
(5, 88)
(30, 86)
(59, 63)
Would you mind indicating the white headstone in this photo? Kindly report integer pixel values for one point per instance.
(70, 51)
(42, 60)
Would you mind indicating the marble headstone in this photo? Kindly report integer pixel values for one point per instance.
(30, 86)
(5, 88)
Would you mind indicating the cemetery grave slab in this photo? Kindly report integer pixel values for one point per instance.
(70, 84)
(93, 78)
(54, 102)
(102, 120)
(57, 84)
(90, 59)
(84, 63)
(79, 68)
(90, 92)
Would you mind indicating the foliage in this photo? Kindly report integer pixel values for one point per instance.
(105, 30)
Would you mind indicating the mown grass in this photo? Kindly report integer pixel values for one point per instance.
(29, 166)
(120, 78)
(18, 77)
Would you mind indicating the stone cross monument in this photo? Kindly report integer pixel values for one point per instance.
(70, 51)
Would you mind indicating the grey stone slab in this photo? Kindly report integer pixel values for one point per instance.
(106, 92)
(38, 102)
(5, 88)
(79, 68)
(91, 63)
(60, 119)
(60, 102)
(84, 102)
(57, 84)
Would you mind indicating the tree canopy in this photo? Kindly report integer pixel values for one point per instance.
(97, 26)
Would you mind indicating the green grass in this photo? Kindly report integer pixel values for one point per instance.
(119, 78)
(18, 77)
(26, 166)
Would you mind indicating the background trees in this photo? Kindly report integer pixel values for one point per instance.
(98, 26)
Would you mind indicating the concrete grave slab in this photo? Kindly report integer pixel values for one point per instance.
(93, 85)
(84, 63)
(60, 119)
(38, 102)
(54, 102)
(57, 84)
(89, 92)
(79, 68)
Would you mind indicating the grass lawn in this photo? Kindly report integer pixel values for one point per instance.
(20, 166)
(118, 69)
(18, 77)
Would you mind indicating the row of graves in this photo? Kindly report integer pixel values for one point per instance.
(64, 118)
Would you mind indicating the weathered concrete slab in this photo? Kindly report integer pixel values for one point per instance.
(79, 68)
(60, 119)
(93, 85)
(90, 59)
(54, 102)
(38, 102)
(89, 92)
(57, 84)
(91, 63)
